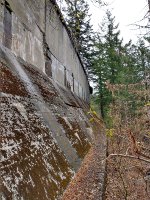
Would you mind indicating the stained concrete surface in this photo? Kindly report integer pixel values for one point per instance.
(37, 27)
(44, 132)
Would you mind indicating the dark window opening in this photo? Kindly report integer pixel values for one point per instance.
(48, 64)
(65, 76)
(7, 41)
(72, 82)
(91, 90)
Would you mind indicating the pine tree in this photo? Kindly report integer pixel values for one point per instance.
(114, 48)
(107, 60)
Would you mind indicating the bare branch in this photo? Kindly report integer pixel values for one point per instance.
(128, 156)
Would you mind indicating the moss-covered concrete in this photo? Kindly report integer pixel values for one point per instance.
(44, 132)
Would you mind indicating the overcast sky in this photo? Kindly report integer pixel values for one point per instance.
(126, 12)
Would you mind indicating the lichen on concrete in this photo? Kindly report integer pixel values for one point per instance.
(44, 138)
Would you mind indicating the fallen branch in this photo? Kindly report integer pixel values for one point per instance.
(128, 156)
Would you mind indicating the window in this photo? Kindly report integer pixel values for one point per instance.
(7, 25)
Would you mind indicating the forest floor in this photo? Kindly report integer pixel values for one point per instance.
(128, 178)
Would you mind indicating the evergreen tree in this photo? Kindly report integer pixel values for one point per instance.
(118, 64)
(107, 60)
(143, 62)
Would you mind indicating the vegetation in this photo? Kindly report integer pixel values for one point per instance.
(120, 73)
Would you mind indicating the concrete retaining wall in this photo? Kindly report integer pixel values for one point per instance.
(34, 30)
(45, 132)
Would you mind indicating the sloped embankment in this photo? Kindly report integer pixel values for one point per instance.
(45, 132)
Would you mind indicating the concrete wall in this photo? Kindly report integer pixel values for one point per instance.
(44, 139)
(27, 39)
(1, 21)
(39, 36)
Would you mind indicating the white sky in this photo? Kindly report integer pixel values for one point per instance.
(126, 12)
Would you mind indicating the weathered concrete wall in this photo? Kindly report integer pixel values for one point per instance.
(61, 45)
(45, 132)
(27, 39)
(1, 21)
(45, 129)
(39, 36)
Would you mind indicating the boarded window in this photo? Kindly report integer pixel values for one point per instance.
(7, 26)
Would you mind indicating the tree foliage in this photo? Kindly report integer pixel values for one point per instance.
(106, 60)
(116, 63)
(121, 73)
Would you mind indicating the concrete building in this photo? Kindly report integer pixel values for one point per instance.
(35, 31)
